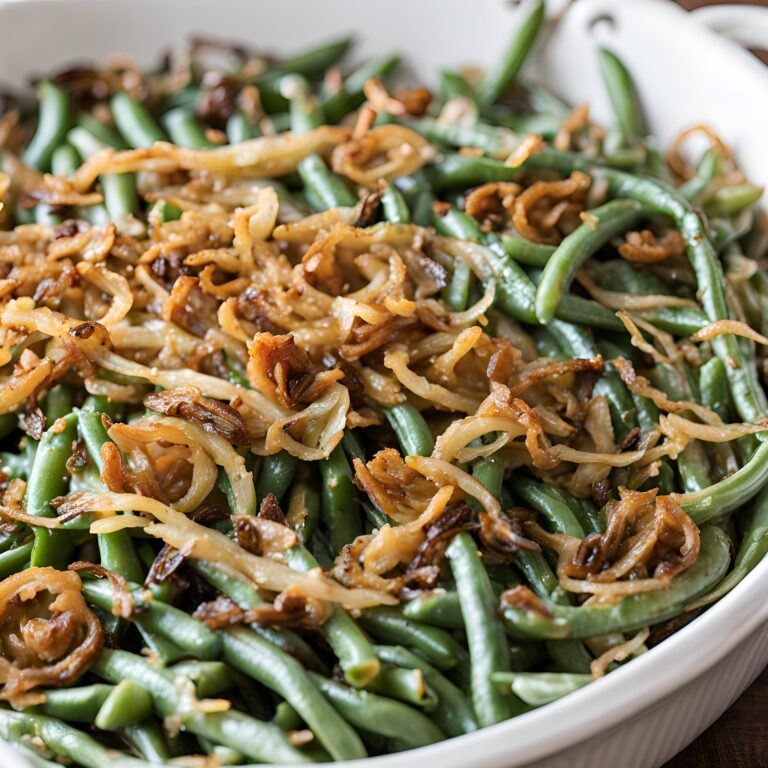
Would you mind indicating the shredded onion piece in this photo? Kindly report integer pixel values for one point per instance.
(629, 301)
(265, 157)
(737, 328)
(619, 652)
(50, 636)
(201, 543)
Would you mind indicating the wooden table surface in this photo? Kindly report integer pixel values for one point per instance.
(739, 739)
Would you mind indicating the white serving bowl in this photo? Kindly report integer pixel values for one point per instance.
(647, 711)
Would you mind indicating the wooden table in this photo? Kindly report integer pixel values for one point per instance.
(739, 739)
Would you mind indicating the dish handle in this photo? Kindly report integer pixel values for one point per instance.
(744, 24)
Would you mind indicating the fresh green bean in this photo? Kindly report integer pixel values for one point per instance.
(259, 741)
(164, 620)
(488, 650)
(149, 740)
(339, 508)
(80, 705)
(380, 715)
(503, 74)
(185, 130)
(48, 479)
(313, 62)
(127, 704)
(406, 685)
(52, 125)
(648, 608)
(276, 475)
(62, 740)
(259, 659)
(538, 688)
(604, 223)
(394, 206)
(623, 96)
(432, 643)
(411, 429)
(134, 121)
(352, 648)
(119, 190)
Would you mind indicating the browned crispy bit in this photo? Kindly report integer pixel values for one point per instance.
(276, 363)
(247, 533)
(213, 416)
(269, 509)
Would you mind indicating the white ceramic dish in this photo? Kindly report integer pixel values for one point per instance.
(643, 714)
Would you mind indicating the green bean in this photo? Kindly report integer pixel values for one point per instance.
(239, 129)
(494, 141)
(104, 134)
(730, 493)
(621, 276)
(119, 190)
(161, 619)
(149, 740)
(452, 85)
(352, 648)
(394, 206)
(80, 705)
(432, 643)
(313, 62)
(406, 685)
(623, 96)
(380, 715)
(633, 612)
(515, 291)
(500, 77)
(526, 251)
(271, 667)
(58, 403)
(259, 741)
(134, 121)
(411, 429)
(185, 130)
(210, 677)
(707, 170)
(538, 688)
(62, 740)
(439, 608)
(655, 197)
(242, 591)
(324, 188)
(352, 447)
(586, 512)
(52, 125)
(604, 223)
(287, 717)
(540, 497)
(303, 510)
(15, 559)
(8, 423)
(48, 479)
(351, 95)
(487, 645)
(276, 475)
(729, 201)
(339, 508)
(753, 548)
(546, 125)
(116, 549)
(453, 713)
(127, 704)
